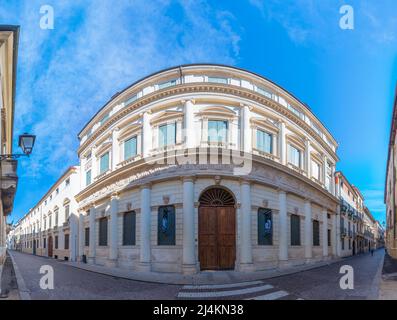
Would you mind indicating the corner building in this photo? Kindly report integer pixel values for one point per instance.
(256, 193)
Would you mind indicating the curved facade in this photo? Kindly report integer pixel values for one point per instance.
(206, 167)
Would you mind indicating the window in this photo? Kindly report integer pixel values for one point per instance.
(217, 131)
(167, 84)
(265, 227)
(130, 148)
(103, 232)
(56, 218)
(166, 226)
(167, 134)
(66, 245)
(66, 212)
(294, 156)
(88, 178)
(343, 244)
(217, 80)
(264, 141)
(50, 222)
(56, 242)
(57, 191)
(295, 230)
(104, 118)
(67, 182)
(316, 233)
(129, 222)
(316, 170)
(264, 92)
(87, 237)
(104, 163)
(329, 237)
(44, 243)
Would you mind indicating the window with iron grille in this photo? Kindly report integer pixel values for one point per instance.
(103, 232)
(129, 223)
(166, 226)
(87, 236)
(295, 230)
(316, 233)
(265, 227)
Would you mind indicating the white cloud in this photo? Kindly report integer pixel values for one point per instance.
(97, 49)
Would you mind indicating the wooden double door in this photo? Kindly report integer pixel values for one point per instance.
(217, 238)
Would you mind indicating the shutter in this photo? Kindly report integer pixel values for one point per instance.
(265, 227)
(66, 242)
(166, 226)
(103, 232)
(316, 233)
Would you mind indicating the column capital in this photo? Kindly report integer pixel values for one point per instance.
(146, 186)
(189, 179)
(244, 181)
(115, 196)
(280, 190)
(250, 108)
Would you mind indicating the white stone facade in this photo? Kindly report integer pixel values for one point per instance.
(192, 101)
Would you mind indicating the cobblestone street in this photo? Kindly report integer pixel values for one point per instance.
(319, 283)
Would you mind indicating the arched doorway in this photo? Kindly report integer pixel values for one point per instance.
(217, 230)
(50, 246)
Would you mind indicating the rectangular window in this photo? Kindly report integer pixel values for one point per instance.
(294, 156)
(67, 182)
(316, 233)
(104, 118)
(130, 148)
(316, 170)
(264, 92)
(343, 244)
(167, 134)
(56, 218)
(217, 131)
(217, 80)
(66, 242)
(295, 230)
(103, 232)
(166, 226)
(329, 238)
(264, 141)
(167, 84)
(66, 212)
(56, 242)
(44, 243)
(87, 236)
(88, 178)
(129, 223)
(265, 227)
(104, 163)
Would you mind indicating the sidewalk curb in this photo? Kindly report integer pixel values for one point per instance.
(24, 293)
(146, 277)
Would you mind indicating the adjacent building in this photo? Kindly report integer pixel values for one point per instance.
(51, 227)
(8, 177)
(390, 187)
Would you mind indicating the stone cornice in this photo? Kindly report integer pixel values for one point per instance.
(209, 88)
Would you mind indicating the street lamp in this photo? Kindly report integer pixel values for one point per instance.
(26, 143)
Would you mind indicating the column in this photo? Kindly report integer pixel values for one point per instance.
(145, 254)
(115, 149)
(274, 145)
(324, 171)
(81, 236)
(189, 252)
(189, 124)
(283, 231)
(247, 134)
(245, 214)
(334, 236)
(308, 160)
(113, 248)
(282, 144)
(92, 247)
(325, 232)
(308, 230)
(146, 134)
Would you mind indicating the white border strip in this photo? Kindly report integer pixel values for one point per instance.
(222, 286)
(216, 294)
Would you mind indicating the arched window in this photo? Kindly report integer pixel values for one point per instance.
(129, 223)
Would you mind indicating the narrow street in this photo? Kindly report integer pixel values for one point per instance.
(319, 283)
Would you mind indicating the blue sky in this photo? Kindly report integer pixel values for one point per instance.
(99, 47)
